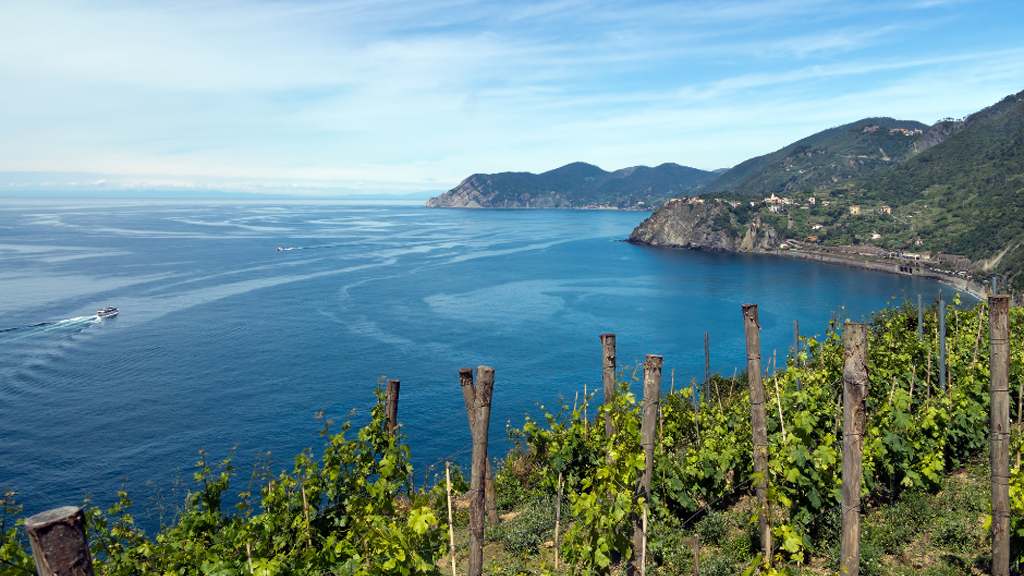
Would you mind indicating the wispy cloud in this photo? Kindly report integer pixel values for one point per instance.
(406, 95)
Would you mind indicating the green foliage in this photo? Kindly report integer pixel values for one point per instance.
(13, 558)
(533, 525)
(351, 510)
(916, 435)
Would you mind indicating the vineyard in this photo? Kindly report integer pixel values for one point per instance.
(568, 488)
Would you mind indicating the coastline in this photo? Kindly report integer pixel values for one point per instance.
(900, 267)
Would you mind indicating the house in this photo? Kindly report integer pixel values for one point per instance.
(817, 227)
(812, 238)
(886, 210)
(855, 210)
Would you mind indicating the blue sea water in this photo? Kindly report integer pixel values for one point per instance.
(224, 342)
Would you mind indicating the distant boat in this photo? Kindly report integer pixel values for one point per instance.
(108, 312)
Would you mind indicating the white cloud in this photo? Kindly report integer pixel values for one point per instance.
(389, 95)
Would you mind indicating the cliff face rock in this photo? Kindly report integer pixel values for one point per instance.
(703, 226)
(480, 191)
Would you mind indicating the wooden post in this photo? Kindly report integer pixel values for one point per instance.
(652, 397)
(59, 544)
(305, 511)
(796, 349)
(855, 392)
(942, 345)
(391, 406)
(585, 402)
(643, 548)
(999, 338)
(707, 364)
(482, 419)
(796, 338)
(558, 517)
(608, 375)
(469, 396)
(920, 320)
(696, 406)
(696, 555)
(451, 519)
(758, 422)
(248, 554)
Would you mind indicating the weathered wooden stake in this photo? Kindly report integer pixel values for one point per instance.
(391, 406)
(778, 400)
(696, 555)
(758, 423)
(696, 406)
(652, 397)
(707, 364)
(585, 419)
(608, 375)
(942, 345)
(855, 393)
(913, 382)
(59, 544)
(469, 392)
(248, 554)
(643, 548)
(796, 338)
(558, 517)
(482, 419)
(451, 518)
(305, 510)
(920, 319)
(999, 339)
(796, 348)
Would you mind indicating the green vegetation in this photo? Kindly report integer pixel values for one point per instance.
(956, 188)
(925, 486)
(583, 185)
(834, 155)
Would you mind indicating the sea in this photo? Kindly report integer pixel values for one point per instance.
(241, 321)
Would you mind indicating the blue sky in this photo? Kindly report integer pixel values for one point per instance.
(358, 96)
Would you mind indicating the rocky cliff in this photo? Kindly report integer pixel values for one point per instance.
(697, 225)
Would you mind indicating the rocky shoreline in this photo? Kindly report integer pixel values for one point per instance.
(698, 225)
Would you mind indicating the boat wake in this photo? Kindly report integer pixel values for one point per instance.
(67, 327)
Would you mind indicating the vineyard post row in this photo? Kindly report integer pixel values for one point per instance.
(60, 546)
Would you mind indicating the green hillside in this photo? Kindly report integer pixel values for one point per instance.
(576, 185)
(856, 150)
(970, 189)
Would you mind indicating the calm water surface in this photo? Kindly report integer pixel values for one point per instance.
(225, 341)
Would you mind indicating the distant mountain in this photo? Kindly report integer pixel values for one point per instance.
(576, 185)
(951, 195)
(857, 150)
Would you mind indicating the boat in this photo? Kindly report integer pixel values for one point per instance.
(108, 312)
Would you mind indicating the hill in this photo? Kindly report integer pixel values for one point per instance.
(576, 185)
(950, 197)
(856, 150)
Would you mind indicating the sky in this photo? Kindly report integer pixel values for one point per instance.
(340, 97)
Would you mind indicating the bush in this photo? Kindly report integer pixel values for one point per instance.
(954, 533)
(718, 566)
(523, 534)
(712, 528)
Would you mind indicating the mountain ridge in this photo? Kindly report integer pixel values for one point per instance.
(951, 196)
(575, 185)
